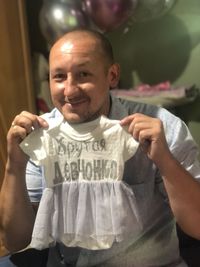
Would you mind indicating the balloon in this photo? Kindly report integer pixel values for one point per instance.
(109, 14)
(57, 18)
(151, 9)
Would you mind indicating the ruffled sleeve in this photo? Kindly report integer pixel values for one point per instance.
(33, 145)
(130, 145)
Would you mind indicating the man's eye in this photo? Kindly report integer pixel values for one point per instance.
(83, 74)
(59, 76)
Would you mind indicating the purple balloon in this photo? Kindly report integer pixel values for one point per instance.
(57, 18)
(109, 14)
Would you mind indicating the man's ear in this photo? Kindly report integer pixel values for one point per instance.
(114, 75)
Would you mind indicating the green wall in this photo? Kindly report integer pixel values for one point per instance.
(166, 48)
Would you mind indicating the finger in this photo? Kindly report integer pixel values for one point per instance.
(145, 137)
(127, 120)
(136, 126)
(24, 124)
(145, 146)
(134, 130)
(134, 117)
(29, 121)
(18, 132)
(144, 140)
(42, 122)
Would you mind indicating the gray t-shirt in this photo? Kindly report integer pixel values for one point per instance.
(157, 243)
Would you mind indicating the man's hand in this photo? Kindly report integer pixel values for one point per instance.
(149, 132)
(182, 189)
(22, 125)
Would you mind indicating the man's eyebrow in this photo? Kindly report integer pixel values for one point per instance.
(81, 64)
(56, 70)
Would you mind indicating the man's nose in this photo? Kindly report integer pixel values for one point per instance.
(71, 87)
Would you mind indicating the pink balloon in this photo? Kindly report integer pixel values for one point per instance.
(109, 14)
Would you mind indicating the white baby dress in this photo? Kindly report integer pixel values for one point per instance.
(85, 202)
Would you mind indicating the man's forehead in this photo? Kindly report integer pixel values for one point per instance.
(71, 47)
(67, 47)
(80, 56)
(73, 44)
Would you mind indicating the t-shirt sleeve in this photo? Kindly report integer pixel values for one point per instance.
(33, 145)
(35, 182)
(181, 143)
(130, 144)
(186, 150)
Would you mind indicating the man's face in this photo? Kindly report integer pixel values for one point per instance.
(80, 79)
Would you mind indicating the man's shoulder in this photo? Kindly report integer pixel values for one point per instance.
(128, 107)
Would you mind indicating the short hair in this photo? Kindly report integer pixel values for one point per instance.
(104, 42)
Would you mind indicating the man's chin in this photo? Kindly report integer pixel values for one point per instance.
(74, 118)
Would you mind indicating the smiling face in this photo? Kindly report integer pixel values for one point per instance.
(80, 77)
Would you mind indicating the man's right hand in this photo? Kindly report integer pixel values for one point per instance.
(22, 125)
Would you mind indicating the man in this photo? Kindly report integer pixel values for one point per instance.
(164, 174)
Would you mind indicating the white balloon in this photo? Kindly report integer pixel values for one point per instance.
(57, 18)
(151, 9)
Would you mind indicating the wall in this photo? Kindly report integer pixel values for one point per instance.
(16, 92)
(166, 48)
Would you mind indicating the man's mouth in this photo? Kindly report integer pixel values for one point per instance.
(75, 101)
